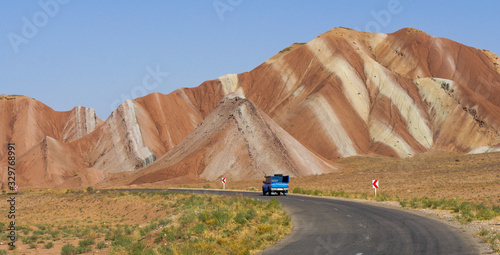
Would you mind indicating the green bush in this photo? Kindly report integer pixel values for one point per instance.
(122, 241)
(240, 218)
(204, 216)
(86, 242)
(48, 245)
(146, 230)
(221, 216)
(68, 249)
(101, 245)
(187, 218)
(484, 232)
(199, 228)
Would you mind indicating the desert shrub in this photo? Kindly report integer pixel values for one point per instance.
(101, 245)
(298, 190)
(286, 220)
(204, 216)
(383, 197)
(68, 249)
(146, 230)
(264, 228)
(240, 218)
(199, 228)
(490, 237)
(86, 242)
(273, 204)
(318, 192)
(221, 216)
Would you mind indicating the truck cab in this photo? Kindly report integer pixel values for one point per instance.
(275, 184)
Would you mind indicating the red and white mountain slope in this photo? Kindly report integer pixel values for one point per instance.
(236, 140)
(344, 93)
(42, 136)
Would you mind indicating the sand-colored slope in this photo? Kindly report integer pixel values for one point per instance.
(26, 121)
(238, 141)
(52, 163)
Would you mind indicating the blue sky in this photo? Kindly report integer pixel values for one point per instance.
(96, 54)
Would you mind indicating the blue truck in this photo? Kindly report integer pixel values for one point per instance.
(277, 184)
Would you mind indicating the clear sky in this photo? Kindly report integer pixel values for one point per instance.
(97, 54)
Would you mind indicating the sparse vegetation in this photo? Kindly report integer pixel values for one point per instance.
(90, 189)
(467, 211)
(137, 222)
(68, 249)
(346, 28)
(492, 238)
(48, 245)
(285, 49)
(101, 245)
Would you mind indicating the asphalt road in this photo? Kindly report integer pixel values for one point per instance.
(330, 226)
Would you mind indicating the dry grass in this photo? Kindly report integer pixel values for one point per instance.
(492, 238)
(74, 222)
(473, 178)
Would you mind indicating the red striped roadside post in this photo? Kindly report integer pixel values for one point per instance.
(375, 186)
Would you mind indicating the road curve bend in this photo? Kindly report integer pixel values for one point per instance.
(332, 226)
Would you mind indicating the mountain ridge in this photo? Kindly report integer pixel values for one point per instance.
(344, 93)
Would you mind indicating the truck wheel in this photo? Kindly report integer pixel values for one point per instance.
(269, 192)
(263, 192)
(279, 193)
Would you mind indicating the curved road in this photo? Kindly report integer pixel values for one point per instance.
(331, 226)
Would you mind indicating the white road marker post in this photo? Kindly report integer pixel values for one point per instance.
(375, 186)
(224, 183)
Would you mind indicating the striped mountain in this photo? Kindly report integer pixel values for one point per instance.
(344, 93)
